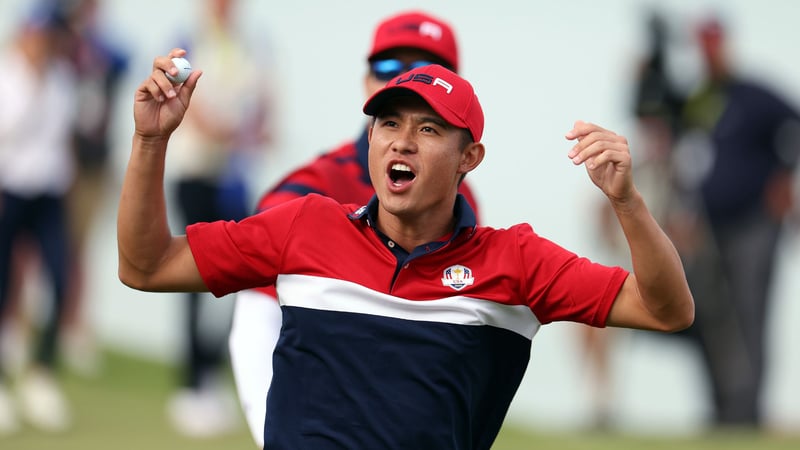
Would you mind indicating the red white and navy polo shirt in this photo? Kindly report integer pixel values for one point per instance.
(384, 349)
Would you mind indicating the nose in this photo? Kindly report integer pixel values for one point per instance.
(405, 141)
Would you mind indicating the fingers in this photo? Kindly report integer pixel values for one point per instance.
(581, 129)
(604, 154)
(158, 86)
(187, 88)
(596, 145)
(170, 66)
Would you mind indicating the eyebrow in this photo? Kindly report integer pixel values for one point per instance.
(436, 120)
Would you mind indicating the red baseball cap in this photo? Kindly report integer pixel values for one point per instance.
(416, 30)
(451, 96)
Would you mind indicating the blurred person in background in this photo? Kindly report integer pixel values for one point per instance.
(211, 154)
(37, 87)
(734, 164)
(656, 105)
(100, 63)
(400, 43)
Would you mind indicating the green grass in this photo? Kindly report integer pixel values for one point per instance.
(515, 439)
(124, 409)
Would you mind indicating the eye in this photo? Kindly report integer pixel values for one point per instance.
(386, 122)
(428, 129)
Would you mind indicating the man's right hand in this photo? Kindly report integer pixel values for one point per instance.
(159, 106)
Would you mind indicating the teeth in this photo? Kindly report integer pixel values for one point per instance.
(401, 167)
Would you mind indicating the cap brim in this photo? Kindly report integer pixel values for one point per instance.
(380, 98)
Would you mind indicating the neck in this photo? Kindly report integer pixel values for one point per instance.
(410, 233)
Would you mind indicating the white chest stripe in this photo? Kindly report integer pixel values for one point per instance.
(336, 295)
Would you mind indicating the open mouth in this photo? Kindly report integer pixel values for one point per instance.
(400, 174)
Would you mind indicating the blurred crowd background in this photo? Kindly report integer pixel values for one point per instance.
(633, 66)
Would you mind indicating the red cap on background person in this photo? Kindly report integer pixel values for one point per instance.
(451, 96)
(416, 30)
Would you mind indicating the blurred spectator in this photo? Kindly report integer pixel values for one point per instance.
(211, 154)
(735, 161)
(656, 105)
(100, 64)
(36, 171)
(596, 344)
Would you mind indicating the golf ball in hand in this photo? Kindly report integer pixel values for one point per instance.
(184, 69)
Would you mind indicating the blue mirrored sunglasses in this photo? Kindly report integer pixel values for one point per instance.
(386, 69)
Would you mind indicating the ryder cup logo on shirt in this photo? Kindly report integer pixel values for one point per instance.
(457, 277)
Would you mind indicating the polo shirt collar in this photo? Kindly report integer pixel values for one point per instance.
(465, 216)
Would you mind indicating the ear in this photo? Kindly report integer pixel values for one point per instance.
(471, 157)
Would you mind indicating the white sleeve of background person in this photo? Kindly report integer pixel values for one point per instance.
(254, 333)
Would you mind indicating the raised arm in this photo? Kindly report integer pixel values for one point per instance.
(656, 295)
(150, 258)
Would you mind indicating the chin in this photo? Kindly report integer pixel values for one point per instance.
(396, 205)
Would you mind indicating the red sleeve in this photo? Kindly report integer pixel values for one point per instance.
(234, 256)
(562, 286)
